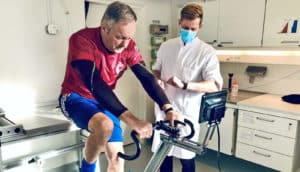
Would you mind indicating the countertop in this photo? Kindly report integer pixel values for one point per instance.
(242, 95)
(271, 103)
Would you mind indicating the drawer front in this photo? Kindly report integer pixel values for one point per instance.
(268, 123)
(266, 140)
(264, 157)
(40, 144)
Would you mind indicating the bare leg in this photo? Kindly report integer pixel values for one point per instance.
(115, 163)
(101, 128)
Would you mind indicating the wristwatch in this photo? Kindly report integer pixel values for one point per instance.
(185, 84)
(168, 110)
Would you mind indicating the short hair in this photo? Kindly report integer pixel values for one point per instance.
(192, 11)
(117, 11)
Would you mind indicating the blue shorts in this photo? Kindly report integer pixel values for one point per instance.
(80, 110)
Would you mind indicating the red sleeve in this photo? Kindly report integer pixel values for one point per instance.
(134, 55)
(80, 48)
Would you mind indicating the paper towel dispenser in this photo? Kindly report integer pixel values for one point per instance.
(254, 71)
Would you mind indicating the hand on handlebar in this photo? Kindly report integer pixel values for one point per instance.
(143, 129)
(172, 116)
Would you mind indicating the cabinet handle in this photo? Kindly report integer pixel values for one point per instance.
(212, 42)
(264, 137)
(265, 119)
(262, 154)
(289, 42)
(227, 42)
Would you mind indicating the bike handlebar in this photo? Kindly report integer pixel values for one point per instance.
(159, 125)
(134, 137)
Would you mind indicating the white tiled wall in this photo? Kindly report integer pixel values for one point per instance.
(279, 79)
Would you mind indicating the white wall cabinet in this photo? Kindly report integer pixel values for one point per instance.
(227, 133)
(267, 140)
(282, 24)
(233, 23)
(209, 30)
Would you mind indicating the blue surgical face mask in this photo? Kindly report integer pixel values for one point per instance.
(187, 35)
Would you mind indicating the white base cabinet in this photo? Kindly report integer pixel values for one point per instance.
(227, 133)
(267, 140)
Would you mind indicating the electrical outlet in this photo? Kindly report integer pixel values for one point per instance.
(52, 29)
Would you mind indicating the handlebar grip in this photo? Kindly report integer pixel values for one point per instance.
(133, 135)
(176, 122)
(192, 129)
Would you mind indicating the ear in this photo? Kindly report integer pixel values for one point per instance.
(179, 22)
(200, 26)
(103, 26)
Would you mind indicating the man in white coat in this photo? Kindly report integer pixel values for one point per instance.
(186, 68)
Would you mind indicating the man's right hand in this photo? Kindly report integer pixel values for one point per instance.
(143, 128)
(161, 83)
(172, 116)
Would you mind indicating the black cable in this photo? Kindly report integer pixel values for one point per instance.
(219, 147)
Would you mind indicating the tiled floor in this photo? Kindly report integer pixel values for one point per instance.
(206, 163)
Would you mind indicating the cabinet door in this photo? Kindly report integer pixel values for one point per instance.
(282, 23)
(209, 31)
(227, 129)
(241, 23)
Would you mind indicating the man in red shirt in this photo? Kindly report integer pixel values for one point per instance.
(97, 58)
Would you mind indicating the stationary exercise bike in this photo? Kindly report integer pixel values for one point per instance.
(212, 110)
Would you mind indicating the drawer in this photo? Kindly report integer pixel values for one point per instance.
(264, 157)
(40, 144)
(272, 124)
(266, 140)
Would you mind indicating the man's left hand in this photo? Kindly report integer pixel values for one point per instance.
(176, 82)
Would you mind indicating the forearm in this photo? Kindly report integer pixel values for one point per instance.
(204, 86)
(128, 118)
(150, 85)
(100, 90)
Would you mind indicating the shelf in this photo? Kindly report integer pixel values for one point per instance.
(291, 57)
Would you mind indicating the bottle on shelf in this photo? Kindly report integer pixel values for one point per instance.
(234, 87)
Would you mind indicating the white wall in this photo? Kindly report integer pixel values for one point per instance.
(155, 10)
(279, 79)
(32, 63)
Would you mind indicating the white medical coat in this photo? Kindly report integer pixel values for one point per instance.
(194, 62)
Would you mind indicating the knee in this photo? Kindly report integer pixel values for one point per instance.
(100, 123)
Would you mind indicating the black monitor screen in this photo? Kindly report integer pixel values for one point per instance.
(212, 107)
